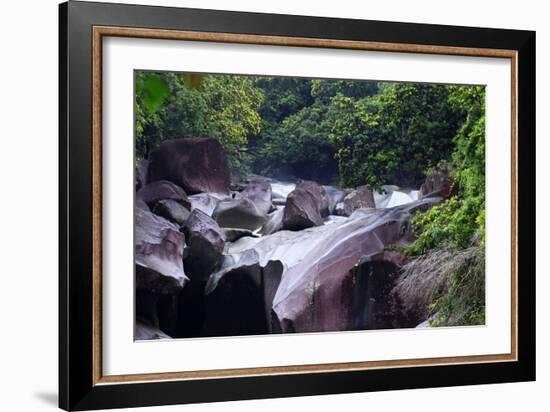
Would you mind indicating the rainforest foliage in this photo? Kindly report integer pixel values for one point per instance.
(345, 132)
(341, 131)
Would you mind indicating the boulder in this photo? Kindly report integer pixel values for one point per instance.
(260, 194)
(438, 183)
(205, 202)
(317, 288)
(238, 298)
(140, 204)
(206, 242)
(162, 190)
(196, 164)
(305, 206)
(247, 209)
(171, 210)
(274, 222)
(360, 198)
(159, 251)
(375, 305)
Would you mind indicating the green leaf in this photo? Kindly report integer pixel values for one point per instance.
(155, 91)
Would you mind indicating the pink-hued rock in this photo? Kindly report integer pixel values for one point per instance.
(305, 206)
(196, 164)
(316, 292)
(159, 248)
(360, 198)
(162, 190)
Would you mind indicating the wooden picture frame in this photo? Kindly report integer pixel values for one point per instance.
(82, 385)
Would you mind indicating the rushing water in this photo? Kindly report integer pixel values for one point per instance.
(388, 196)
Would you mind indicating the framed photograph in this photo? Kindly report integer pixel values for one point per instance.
(256, 205)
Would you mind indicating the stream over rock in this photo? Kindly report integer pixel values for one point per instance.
(269, 257)
(314, 294)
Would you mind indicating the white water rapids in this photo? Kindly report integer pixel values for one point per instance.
(389, 196)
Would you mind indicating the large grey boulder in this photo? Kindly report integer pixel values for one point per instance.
(205, 240)
(159, 252)
(361, 197)
(247, 209)
(305, 206)
(239, 297)
(316, 292)
(205, 202)
(171, 210)
(378, 306)
(196, 164)
(162, 190)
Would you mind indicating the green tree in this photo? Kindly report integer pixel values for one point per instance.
(395, 135)
(300, 147)
(460, 221)
(222, 107)
(297, 118)
(450, 246)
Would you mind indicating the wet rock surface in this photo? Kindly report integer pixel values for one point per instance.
(314, 294)
(159, 252)
(269, 257)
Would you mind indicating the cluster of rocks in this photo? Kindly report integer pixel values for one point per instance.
(217, 256)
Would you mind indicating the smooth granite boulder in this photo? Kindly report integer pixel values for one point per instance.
(196, 164)
(206, 242)
(305, 206)
(159, 249)
(247, 209)
(162, 190)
